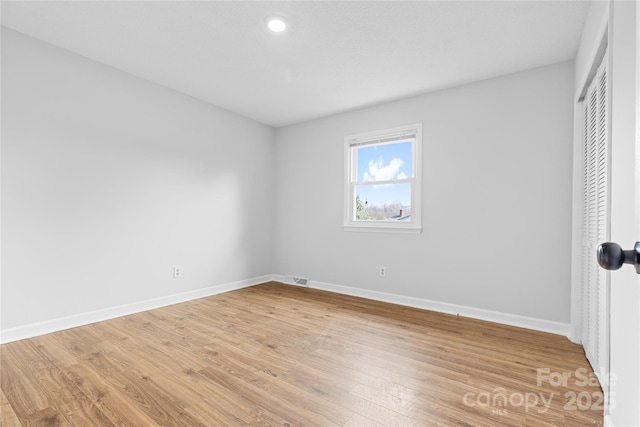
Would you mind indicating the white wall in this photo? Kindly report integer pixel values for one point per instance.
(497, 160)
(109, 181)
(593, 32)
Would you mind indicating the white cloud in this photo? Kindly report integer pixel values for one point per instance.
(378, 171)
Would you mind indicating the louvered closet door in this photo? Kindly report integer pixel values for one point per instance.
(595, 301)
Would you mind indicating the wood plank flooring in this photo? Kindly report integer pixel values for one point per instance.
(274, 354)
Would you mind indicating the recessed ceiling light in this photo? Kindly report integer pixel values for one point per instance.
(276, 24)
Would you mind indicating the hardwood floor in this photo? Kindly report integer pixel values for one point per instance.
(275, 354)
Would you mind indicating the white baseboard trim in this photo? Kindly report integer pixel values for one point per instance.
(442, 307)
(41, 328)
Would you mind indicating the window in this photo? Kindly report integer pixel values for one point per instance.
(382, 191)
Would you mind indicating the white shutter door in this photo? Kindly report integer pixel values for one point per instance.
(602, 218)
(595, 222)
(588, 336)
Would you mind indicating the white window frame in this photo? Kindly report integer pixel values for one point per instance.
(414, 226)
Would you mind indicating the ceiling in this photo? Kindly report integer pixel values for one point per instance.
(335, 56)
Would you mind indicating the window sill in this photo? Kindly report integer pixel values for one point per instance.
(382, 228)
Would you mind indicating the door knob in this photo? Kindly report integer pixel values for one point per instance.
(611, 256)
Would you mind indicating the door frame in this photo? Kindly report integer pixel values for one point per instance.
(617, 23)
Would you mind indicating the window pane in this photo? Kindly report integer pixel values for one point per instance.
(386, 202)
(384, 162)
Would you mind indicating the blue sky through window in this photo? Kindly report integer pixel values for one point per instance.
(382, 163)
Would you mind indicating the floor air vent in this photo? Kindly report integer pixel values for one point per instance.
(300, 281)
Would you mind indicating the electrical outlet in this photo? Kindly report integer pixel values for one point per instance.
(177, 272)
(383, 271)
